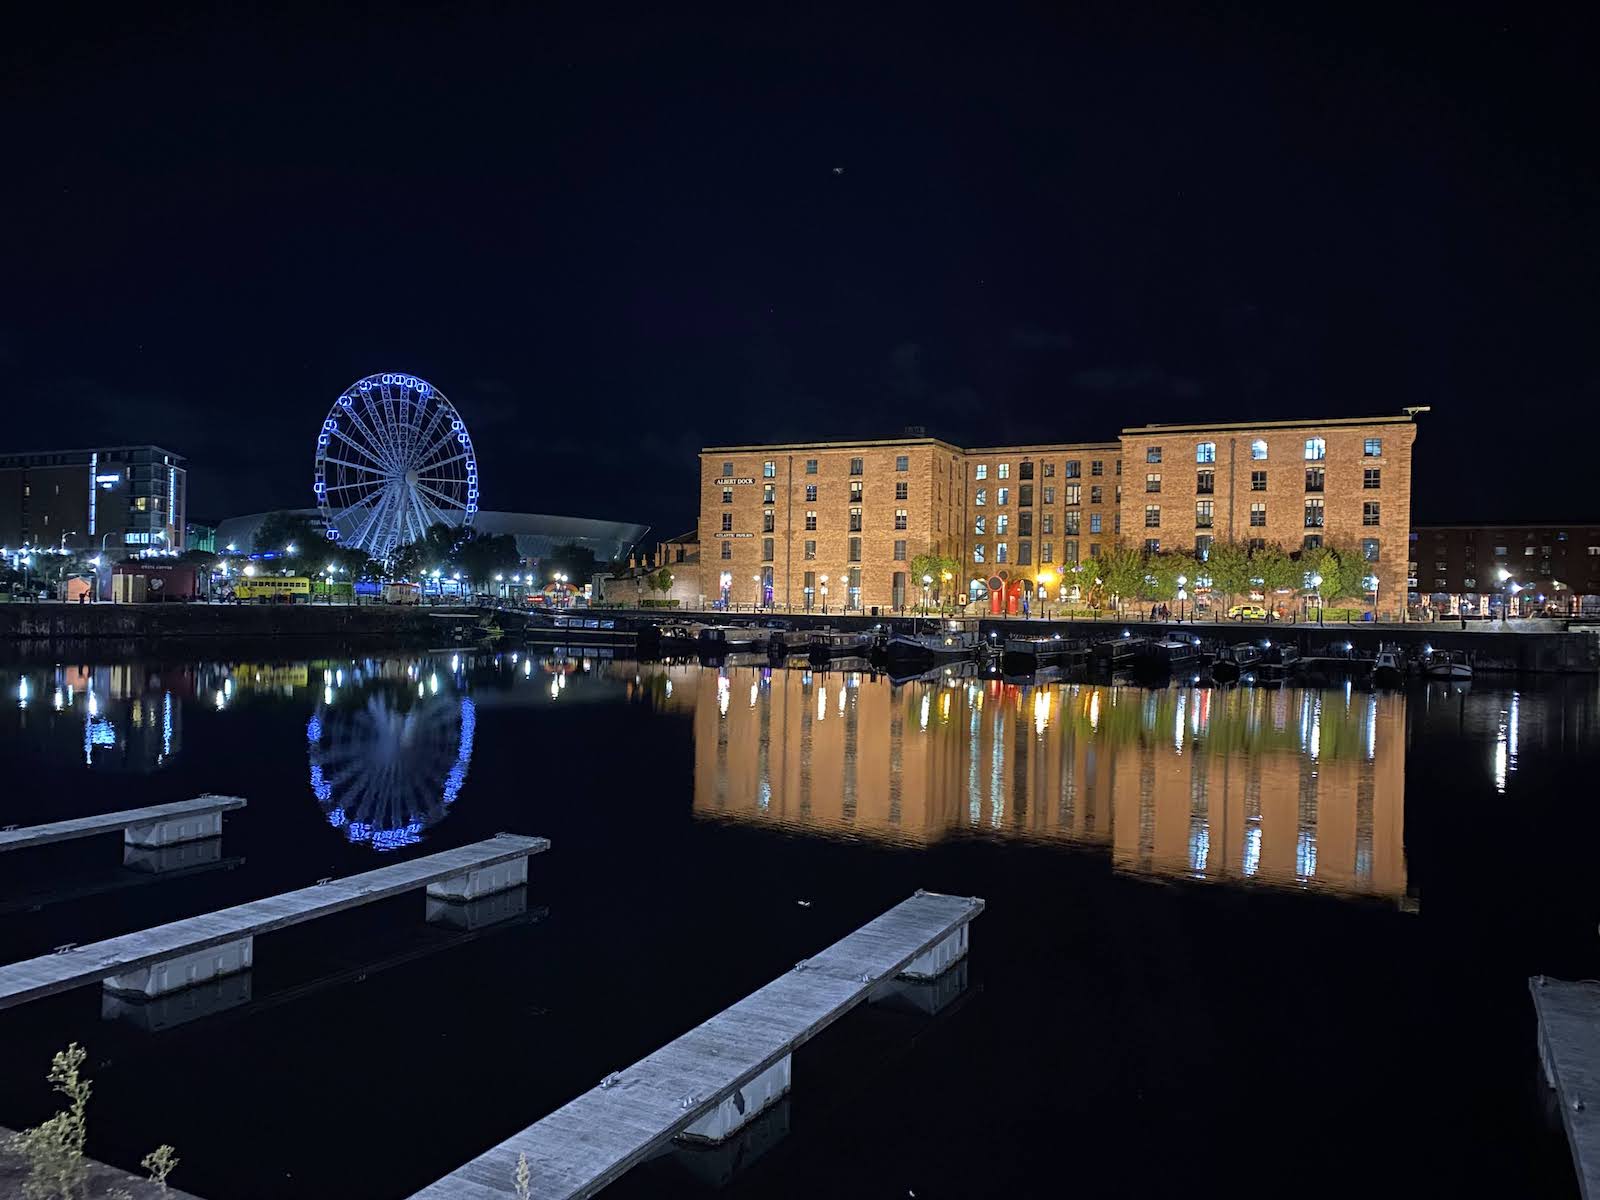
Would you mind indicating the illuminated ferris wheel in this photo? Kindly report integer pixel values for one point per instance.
(393, 458)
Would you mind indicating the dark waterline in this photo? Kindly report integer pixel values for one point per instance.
(1242, 942)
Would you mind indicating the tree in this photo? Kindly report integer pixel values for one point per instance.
(661, 581)
(574, 560)
(935, 567)
(1168, 569)
(280, 530)
(1123, 572)
(1230, 570)
(1350, 578)
(483, 556)
(1276, 571)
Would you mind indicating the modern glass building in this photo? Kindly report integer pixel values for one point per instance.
(115, 498)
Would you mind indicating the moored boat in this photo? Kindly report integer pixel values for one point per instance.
(1447, 664)
(949, 638)
(1388, 669)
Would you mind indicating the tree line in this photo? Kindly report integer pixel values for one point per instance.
(1229, 569)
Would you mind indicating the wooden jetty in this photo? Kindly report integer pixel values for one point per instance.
(156, 825)
(1569, 1049)
(721, 1075)
(153, 962)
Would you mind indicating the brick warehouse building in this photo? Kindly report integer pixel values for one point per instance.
(1507, 570)
(798, 525)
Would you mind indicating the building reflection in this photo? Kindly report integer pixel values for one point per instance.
(1296, 788)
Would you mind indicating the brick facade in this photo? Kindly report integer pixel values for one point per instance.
(775, 520)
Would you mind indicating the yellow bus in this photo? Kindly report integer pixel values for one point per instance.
(272, 586)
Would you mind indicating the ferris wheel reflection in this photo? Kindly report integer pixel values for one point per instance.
(388, 768)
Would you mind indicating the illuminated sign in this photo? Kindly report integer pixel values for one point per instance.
(735, 535)
(727, 479)
(107, 480)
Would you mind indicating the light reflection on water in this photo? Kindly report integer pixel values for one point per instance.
(1300, 788)
(1290, 787)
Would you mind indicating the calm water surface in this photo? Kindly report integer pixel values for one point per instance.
(1243, 942)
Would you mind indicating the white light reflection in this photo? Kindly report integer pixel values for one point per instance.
(922, 716)
(1041, 711)
(722, 694)
(1177, 721)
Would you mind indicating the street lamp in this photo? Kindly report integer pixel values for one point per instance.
(927, 584)
(1371, 584)
(1183, 596)
(946, 577)
(824, 582)
(1316, 586)
(1047, 581)
(756, 579)
(1510, 587)
(289, 549)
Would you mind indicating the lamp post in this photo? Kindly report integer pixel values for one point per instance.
(1316, 585)
(756, 579)
(1508, 586)
(1047, 580)
(1371, 584)
(927, 584)
(945, 577)
(1183, 596)
(824, 582)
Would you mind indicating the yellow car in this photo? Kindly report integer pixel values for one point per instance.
(1247, 612)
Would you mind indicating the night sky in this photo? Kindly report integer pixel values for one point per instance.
(612, 237)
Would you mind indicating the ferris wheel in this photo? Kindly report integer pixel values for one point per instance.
(393, 458)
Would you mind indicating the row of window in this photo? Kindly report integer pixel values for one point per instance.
(1071, 523)
(769, 468)
(1315, 513)
(1316, 449)
(1205, 482)
(1072, 468)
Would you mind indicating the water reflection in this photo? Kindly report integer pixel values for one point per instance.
(1290, 787)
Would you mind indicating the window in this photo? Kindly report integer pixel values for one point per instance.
(1000, 554)
(1372, 477)
(1003, 471)
(767, 521)
(1499, 551)
(855, 520)
(1369, 513)
(1074, 493)
(1258, 481)
(727, 522)
(981, 471)
(1024, 554)
(1049, 523)
(1372, 448)
(855, 491)
(855, 466)
(769, 469)
(1205, 483)
(1070, 522)
(727, 468)
(1205, 452)
(1069, 552)
(1094, 523)
(1049, 470)
(1001, 495)
(727, 549)
(1152, 545)
(1025, 469)
(980, 525)
(1314, 512)
(1594, 551)
(1046, 552)
(1153, 454)
(811, 466)
(1049, 493)
(1312, 541)
(981, 496)
(811, 519)
(901, 490)
(1095, 493)
(1025, 524)
(811, 549)
(1116, 522)
(1002, 524)
(902, 462)
(727, 495)
(1152, 482)
(768, 494)
(900, 550)
(1369, 549)
(1025, 495)
(855, 549)
(1255, 544)
(1316, 449)
(811, 493)
(1152, 516)
(900, 518)
(1202, 514)
(766, 549)
(1096, 467)
(1202, 549)
(1316, 479)
(977, 552)
(1074, 468)
(1258, 514)
(1469, 583)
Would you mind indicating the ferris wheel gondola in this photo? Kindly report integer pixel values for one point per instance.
(393, 458)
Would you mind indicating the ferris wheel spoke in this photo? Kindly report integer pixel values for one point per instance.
(440, 414)
(445, 462)
(361, 503)
(450, 500)
(374, 449)
(370, 454)
(374, 523)
(438, 514)
(422, 515)
(355, 466)
(445, 441)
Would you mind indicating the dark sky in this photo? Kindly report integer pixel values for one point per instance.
(612, 237)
